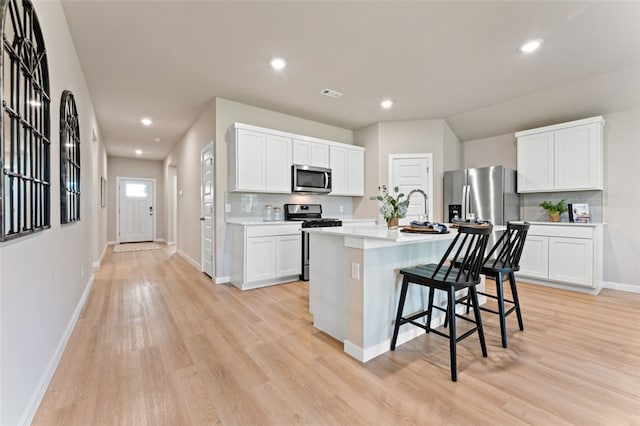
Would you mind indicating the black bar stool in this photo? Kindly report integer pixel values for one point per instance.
(502, 266)
(450, 275)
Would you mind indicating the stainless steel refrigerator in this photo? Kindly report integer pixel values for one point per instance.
(489, 193)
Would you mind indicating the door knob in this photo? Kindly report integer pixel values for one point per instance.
(202, 219)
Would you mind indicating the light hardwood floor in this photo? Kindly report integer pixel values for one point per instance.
(158, 344)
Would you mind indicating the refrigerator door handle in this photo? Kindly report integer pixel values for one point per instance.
(463, 212)
(468, 201)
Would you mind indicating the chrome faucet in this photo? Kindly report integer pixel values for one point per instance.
(424, 195)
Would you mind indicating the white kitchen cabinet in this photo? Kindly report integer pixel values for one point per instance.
(310, 153)
(565, 255)
(571, 260)
(288, 254)
(535, 257)
(347, 170)
(259, 162)
(535, 163)
(261, 258)
(563, 157)
(264, 254)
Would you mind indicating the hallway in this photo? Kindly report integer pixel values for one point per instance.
(158, 344)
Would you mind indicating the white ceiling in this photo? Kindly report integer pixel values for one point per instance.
(453, 60)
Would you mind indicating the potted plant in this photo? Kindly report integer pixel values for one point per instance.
(393, 208)
(555, 210)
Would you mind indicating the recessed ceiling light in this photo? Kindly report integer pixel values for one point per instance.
(278, 63)
(146, 121)
(138, 152)
(386, 104)
(531, 46)
(157, 139)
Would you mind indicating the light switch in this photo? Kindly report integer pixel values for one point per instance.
(355, 271)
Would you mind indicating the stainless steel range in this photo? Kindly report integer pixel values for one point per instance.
(311, 217)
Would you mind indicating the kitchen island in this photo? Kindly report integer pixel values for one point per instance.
(355, 285)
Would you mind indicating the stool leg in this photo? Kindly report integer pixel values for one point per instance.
(476, 313)
(403, 296)
(451, 312)
(516, 301)
(503, 320)
(430, 308)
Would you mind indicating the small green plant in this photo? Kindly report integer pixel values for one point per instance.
(391, 206)
(559, 207)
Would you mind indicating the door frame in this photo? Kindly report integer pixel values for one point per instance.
(119, 179)
(211, 146)
(429, 158)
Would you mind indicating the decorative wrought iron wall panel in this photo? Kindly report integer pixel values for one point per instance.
(25, 138)
(69, 159)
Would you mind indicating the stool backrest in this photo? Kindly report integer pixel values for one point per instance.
(468, 249)
(509, 247)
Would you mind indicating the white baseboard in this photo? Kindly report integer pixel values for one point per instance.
(32, 407)
(221, 280)
(171, 243)
(189, 259)
(111, 243)
(621, 286)
(97, 263)
(159, 240)
(364, 355)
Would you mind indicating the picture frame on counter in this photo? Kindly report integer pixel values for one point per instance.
(579, 213)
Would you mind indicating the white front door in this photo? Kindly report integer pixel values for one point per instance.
(409, 172)
(136, 210)
(206, 208)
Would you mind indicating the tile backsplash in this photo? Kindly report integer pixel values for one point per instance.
(251, 205)
(532, 211)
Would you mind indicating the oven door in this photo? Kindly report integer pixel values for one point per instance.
(310, 180)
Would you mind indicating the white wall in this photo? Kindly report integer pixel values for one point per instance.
(135, 168)
(43, 276)
(185, 156)
(405, 137)
(622, 198)
(493, 151)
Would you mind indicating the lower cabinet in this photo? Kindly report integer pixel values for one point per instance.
(570, 255)
(264, 255)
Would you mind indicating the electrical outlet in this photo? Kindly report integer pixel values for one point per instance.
(227, 208)
(247, 208)
(341, 209)
(355, 271)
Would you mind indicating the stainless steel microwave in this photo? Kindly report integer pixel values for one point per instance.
(310, 180)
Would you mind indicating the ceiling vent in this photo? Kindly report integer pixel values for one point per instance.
(331, 93)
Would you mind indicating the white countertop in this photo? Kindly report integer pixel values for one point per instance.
(566, 224)
(380, 232)
(251, 221)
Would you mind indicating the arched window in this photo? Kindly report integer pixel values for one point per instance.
(24, 142)
(69, 159)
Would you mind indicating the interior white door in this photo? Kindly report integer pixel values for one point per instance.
(409, 172)
(136, 210)
(206, 208)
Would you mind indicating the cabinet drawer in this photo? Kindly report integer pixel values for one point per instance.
(272, 230)
(562, 231)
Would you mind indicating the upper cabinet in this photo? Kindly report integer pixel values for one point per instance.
(310, 153)
(347, 170)
(563, 157)
(260, 160)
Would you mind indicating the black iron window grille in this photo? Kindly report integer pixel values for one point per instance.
(69, 159)
(24, 141)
